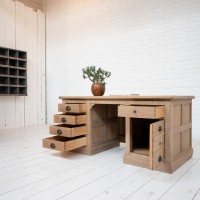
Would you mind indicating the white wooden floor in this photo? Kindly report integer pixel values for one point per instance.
(27, 171)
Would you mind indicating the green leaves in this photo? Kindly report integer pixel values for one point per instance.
(95, 75)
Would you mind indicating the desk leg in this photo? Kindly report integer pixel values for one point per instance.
(128, 135)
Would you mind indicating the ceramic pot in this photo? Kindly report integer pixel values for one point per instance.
(98, 89)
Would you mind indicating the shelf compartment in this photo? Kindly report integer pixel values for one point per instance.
(3, 61)
(3, 90)
(13, 53)
(3, 70)
(22, 73)
(13, 90)
(22, 63)
(23, 91)
(3, 80)
(22, 82)
(22, 55)
(13, 72)
(13, 62)
(3, 51)
(14, 81)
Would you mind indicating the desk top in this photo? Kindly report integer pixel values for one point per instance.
(126, 97)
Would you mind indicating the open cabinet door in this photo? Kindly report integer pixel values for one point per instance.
(156, 144)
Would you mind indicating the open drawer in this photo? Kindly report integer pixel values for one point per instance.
(70, 119)
(60, 143)
(68, 130)
(150, 112)
(72, 108)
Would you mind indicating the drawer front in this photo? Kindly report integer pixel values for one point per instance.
(67, 130)
(70, 119)
(72, 108)
(64, 144)
(158, 143)
(158, 128)
(151, 112)
(158, 158)
(55, 143)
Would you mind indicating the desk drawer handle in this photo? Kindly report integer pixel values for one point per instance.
(59, 132)
(52, 145)
(160, 128)
(159, 158)
(63, 120)
(135, 111)
(68, 108)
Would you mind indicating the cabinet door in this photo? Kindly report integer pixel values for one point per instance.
(156, 144)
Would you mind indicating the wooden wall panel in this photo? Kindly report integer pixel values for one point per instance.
(2, 43)
(24, 29)
(30, 40)
(10, 42)
(41, 69)
(19, 115)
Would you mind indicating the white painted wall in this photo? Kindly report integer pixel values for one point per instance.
(24, 29)
(152, 47)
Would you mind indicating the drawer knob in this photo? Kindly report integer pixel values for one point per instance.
(68, 108)
(63, 120)
(160, 128)
(159, 158)
(59, 132)
(160, 143)
(52, 145)
(135, 111)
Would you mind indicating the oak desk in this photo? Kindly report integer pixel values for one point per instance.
(157, 129)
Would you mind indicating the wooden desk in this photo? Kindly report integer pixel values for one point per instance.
(157, 129)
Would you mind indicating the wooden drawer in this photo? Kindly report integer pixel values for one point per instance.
(67, 130)
(150, 112)
(64, 144)
(157, 128)
(158, 159)
(156, 136)
(158, 143)
(72, 108)
(70, 119)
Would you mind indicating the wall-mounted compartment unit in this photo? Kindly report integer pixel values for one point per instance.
(13, 72)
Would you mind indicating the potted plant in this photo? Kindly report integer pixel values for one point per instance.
(97, 76)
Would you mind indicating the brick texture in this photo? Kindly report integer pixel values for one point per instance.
(152, 47)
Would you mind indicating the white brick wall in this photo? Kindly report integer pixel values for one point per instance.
(152, 47)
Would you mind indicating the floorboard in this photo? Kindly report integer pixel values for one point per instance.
(28, 171)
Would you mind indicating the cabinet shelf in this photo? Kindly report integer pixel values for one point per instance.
(13, 72)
